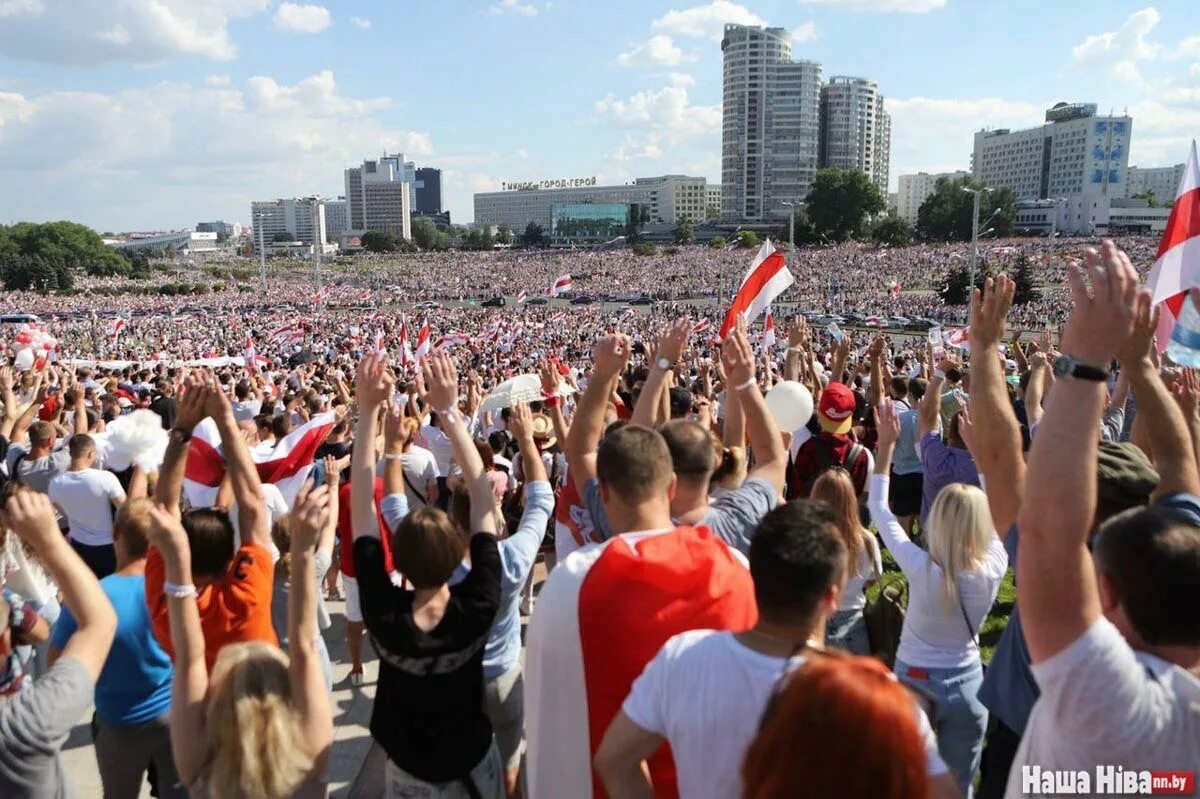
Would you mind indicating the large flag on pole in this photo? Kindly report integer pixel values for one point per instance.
(422, 342)
(768, 336)
(562, 284)
(767, 278)
(1177, 266)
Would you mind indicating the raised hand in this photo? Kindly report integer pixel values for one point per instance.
(1140, 342)
(550, 378)
(612, 354)
(309, 517)
(332, 475)
(737, 357)
(887, 423)
(189, 405)
(989, 309)
(798, 335)
(393, 430)
(373, 383)
(166, 532)
(520, 422)
(441, 380)
(966, 428)
(31, 516)
(674, 339)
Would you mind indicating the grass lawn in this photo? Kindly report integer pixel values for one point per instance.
(997, 618)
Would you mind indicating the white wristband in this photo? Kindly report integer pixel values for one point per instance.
(393, 457)
(939, 374)
(795, 349)
(176, 591)
(745, 385)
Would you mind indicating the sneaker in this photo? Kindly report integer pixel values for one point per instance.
(356, 678)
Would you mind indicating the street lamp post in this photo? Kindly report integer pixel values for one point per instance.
(974, 240)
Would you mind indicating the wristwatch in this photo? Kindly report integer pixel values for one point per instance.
(1067, 366)
(663, 363)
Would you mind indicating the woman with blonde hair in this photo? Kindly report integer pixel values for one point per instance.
(951, 589)
(847, 629)
(260, 726)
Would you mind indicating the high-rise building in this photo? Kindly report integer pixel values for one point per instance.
(856, 132)
(912, 190)
(1074, 153)
(712, 206)
(770, 124)
(428, 191)
(290, 219)
(337, 218)
(380, 194)
(1162, 181)
(221, 228)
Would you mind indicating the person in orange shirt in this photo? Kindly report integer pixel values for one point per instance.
(233, 588)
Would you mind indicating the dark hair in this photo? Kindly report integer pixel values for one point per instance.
(916, 387)
(497, 442)
(634, 462)
(80, 445)
(485, 455)
(680, 402)
(281, 425)
(210, 536)
(263, 421)
(796, 554)
(241, 390)
(691, 447)
(899, 386)
(954, 375)
(427, 547)
(1152, 557)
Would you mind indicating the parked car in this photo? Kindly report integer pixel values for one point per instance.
(582, 299)
(494, 302)
(428, 305)
(642, 300)
(921, 325)
(537, 301)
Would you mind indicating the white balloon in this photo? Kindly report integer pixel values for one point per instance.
(791, 405)
(24, 359)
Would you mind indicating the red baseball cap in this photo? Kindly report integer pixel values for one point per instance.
(835, 411)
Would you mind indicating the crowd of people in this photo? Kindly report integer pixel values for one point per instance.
(723, 522)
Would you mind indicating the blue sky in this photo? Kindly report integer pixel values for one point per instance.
(151, 114)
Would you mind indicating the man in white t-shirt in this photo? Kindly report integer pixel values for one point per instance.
(420, 476)
(247, 401)
(89, 497)
(1115, 644)
(704, 693)
(437, 443)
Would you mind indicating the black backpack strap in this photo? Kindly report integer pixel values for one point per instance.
(412, 487)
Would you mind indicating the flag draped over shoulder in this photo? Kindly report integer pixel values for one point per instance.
(767, 278)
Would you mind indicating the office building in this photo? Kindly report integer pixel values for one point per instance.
(337, 218)
(856, 132)
(662, 200)
(770, 124)
(380, 194)
(912, 190)
(286, 221)
(227, 230)
(1089, 215)
(1074, 153)
(712, 208)
(428, 187)
(1162, 181)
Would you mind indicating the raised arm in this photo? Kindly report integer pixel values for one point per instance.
(908, 555)
(737, 358)
(372, 388)
(553, 403)
(189, 412)
(670, 348)
(875, 353)
(10, 402)
(612, 353)
(996, 444)
(253, 519)
(1166, 428)
(841, 354)
(1187, 395)
(394, 439)
(929, 411)
(315, 514)
(1057, 590)
(797, 340)
(441, 378)
(190, 685)
(329, 533)
(1035, 389)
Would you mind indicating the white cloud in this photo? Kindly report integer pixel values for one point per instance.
(1120, 50)
(181, 152)
(217, 80)
(661, 120)
(359, 22)
(1163, 131)
(521, 153)
(659, 50)
(514, 7)
(805, 33)
(682, 79)
(302, 18)
(907, 6)
(1186, 48)
(707, 21)
(631, 149)
(142, 31)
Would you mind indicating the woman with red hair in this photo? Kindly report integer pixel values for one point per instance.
(842, 726)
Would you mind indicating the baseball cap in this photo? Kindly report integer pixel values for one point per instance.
(835, 411)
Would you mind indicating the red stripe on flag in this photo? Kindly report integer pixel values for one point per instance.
(750, 289)
(204, 463)
(302, 454)
(1184, 222)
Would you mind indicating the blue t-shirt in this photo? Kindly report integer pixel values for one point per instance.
(1009, 689)
(135, 683)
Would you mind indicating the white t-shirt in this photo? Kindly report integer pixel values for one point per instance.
(935, 634)
(246, 411)
(276, 507)
(705, 693)
(421, 469)
(438, 444)
(1102, 704)
(87, 497)
(870, 563)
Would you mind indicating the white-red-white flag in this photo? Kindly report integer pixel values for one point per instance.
(895, 289)
(378, 346)
(287, 335)
(701, 326)
(956, 338)
(559, 286)
(767, 278)
(406, 353)
(522, 295)
(251, 357)
(422, 341)
(115, 327)
(451, 339)
(768, 336)
(1177, 266)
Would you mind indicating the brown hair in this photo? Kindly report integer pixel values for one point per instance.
(694, 451)
(132, 527)
(634, 462)
(427, 547)
(835, 487)
(843, 726)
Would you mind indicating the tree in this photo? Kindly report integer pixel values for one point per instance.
(282, 237)
(504, 235)
(35, 273)
(955, 288)
(424, 233)
(747, 239)
(1149, 196)
(801, 230)
(644, 248)
(684, 234)
(380, 241)
(840, 201)
(893, 231)
(946, 214)
(1025, 290)
(60, 247)
(222, 237)
(717, 243)
(533, 236)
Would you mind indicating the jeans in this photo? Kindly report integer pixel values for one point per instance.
(959, 719)
(847, 629)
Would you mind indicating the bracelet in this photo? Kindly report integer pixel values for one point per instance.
(745, 385)
(388, 457)
(552, 402)
(176, 591)
(795, 349)
(939, 374)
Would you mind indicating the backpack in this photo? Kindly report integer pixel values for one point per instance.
(884, 616)
(826, 459)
